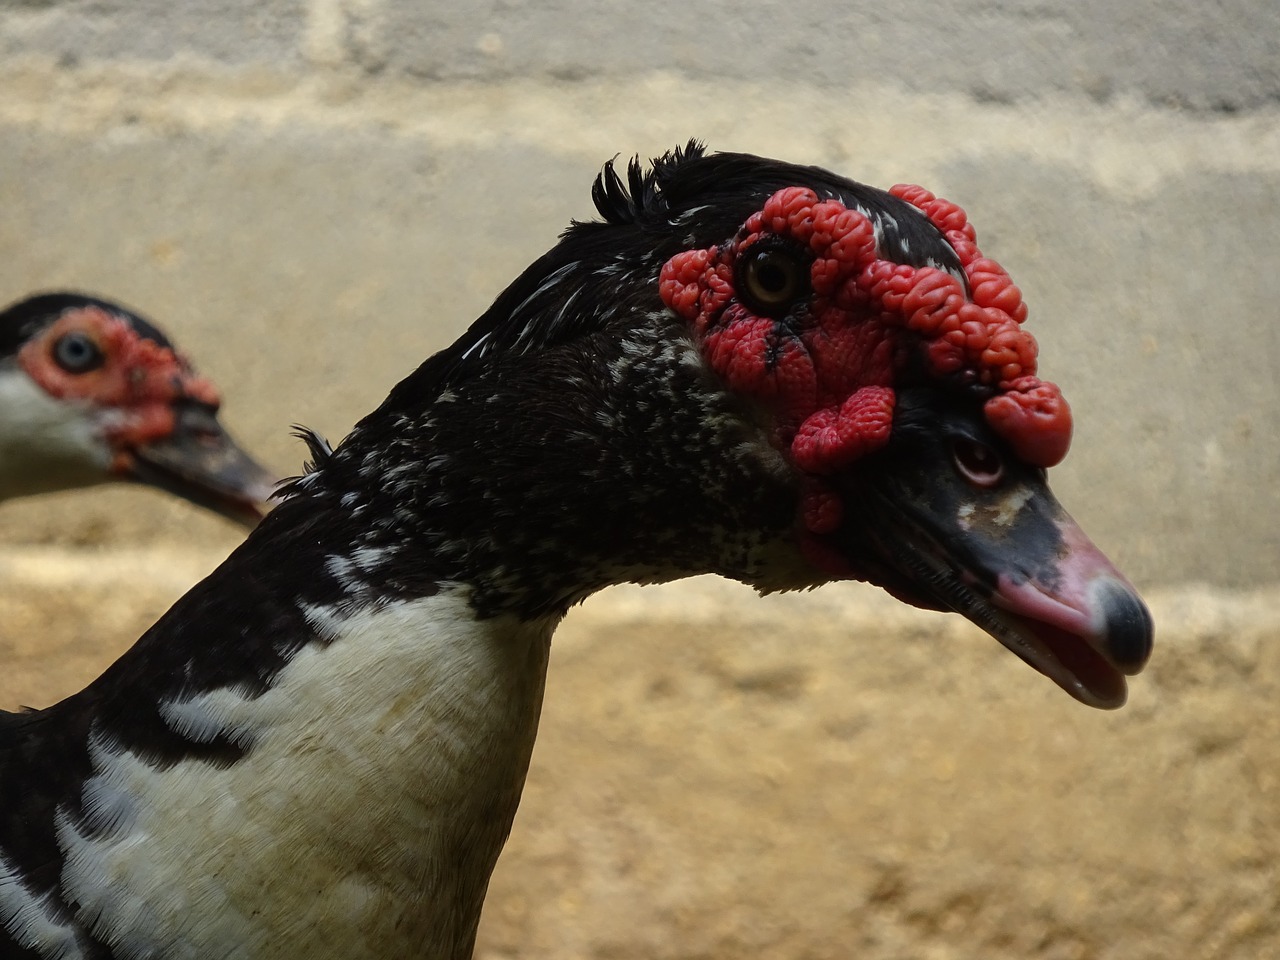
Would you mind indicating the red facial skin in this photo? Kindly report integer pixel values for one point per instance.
(139, 381)
(830, 377)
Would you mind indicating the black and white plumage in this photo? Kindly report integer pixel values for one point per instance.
(319, 750)
(91, 392)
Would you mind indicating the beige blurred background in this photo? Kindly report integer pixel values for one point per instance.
(313, 195)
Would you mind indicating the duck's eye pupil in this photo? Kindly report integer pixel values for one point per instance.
(773, 279)
(77, 353)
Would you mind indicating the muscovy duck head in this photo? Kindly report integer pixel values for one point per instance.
(765, 371)
(92, 392)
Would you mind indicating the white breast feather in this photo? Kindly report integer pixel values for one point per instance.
(371, 761)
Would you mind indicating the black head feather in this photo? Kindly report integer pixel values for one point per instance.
(20, 320)
(642, 197)
(685, 199)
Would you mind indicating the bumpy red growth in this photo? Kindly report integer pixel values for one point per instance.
(832, 376)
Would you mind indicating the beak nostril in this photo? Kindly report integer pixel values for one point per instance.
(1129, 628)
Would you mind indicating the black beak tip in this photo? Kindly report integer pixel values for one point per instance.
(1130, 631)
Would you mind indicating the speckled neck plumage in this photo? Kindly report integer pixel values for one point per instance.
(544, 479)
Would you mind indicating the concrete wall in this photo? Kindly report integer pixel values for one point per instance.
(314, 195)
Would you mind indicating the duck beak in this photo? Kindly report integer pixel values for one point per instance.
(1005, 555)
(199, 462)
(1019, 567)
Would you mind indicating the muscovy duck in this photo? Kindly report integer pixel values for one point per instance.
(745, 367)
(91, 392)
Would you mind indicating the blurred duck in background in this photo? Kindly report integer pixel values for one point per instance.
(91, 392)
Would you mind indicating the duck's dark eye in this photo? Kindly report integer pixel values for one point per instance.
(75, 352)
(772, 277)
(977, 463)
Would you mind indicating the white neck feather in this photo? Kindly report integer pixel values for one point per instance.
(45, 444)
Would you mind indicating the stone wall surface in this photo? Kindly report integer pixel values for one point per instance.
(314, 195)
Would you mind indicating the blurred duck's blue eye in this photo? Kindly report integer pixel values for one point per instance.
(76, 353)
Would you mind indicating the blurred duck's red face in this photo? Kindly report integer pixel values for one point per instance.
(142, 411)
(94, 358)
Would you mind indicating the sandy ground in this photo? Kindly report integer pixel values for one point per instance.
(827, 776)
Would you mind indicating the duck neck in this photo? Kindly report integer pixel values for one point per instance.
(45, 444)
(544, 479)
